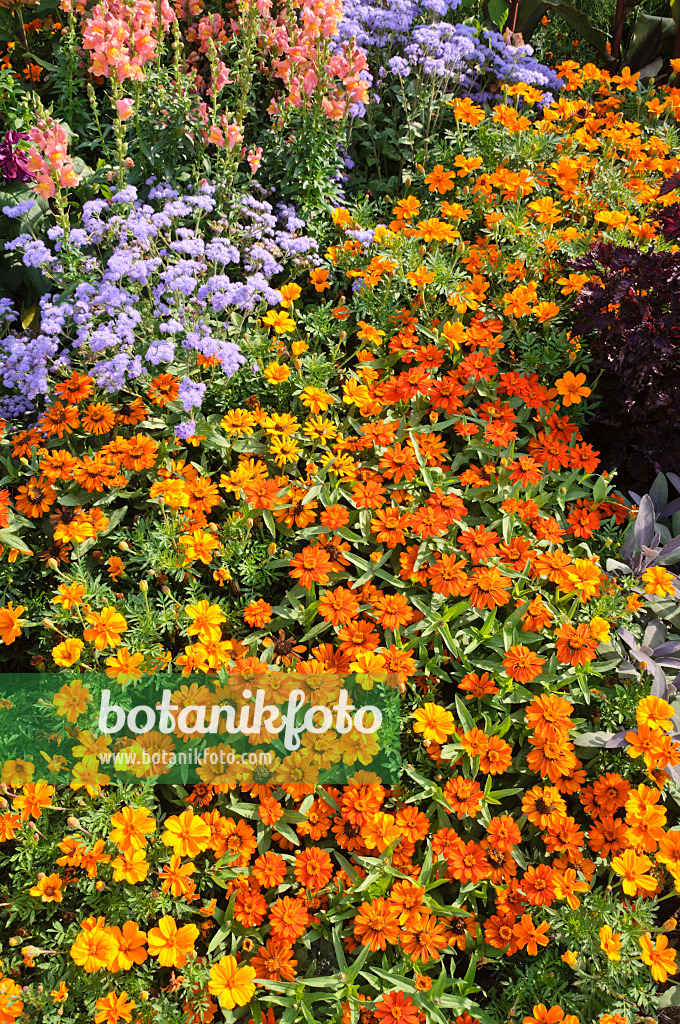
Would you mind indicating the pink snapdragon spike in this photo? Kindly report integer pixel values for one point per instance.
(255, 159)
(125, 108)
(121, 39)
(300, 50)
(209, 28)
(49, 160)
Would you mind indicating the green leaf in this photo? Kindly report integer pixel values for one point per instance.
(357, 964)
(599, 490)
(530, 12)
(268, 519)
(10, 540)
(287, 833)
(464, 716)
(498, 12)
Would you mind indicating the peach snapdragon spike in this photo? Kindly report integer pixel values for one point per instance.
(305, 63)
(49, 160)
(121, 38)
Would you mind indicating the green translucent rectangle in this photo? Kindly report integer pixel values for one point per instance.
(89, 731)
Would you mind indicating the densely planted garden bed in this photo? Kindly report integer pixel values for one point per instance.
(325, 334)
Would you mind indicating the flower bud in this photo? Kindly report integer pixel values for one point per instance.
(72, 822)
(144, 995)
(52, 563)
(124, 546)
(143, 586)
(49, 624)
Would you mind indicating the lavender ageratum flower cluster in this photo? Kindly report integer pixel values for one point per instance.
(156, 300)
(407, 37)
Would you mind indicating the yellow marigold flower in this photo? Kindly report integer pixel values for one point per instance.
(571, 388)
(659, 581)
(633, 870)
(276, 373)
(289, 293)
(610, 942)
(316, 399)
(10, 623)
(232, 984)
(71, 700)
(599, 629)
(48, 889)
(106, 627)
(655, 713)
(67, 652)
(281, 322)
(434, 722)
(658, 957)
(207, 621)
(544, 311)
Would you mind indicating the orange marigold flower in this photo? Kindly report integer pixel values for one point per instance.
(529, 935)
(257, 613)
(658, 957)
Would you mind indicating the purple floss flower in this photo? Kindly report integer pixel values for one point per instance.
(365, 237)
(222, 252)
(36, 254)
(18, 242)
(13, 161)
(19, 209)
(8, 313)
(160, 352)
(191, 394)
(399, 66)
(128, 194)
(185, 430)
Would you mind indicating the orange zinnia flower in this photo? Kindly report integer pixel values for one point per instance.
(424, 937)
(312, 565)
(376, 924)
(288, 918)
(521, 664)
(274, 962)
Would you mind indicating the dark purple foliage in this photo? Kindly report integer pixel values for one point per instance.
(13, 162)
(632, 320)
(668, 219)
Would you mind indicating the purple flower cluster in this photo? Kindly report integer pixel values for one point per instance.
(13, 162)
(403, 37)
(157, 296)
